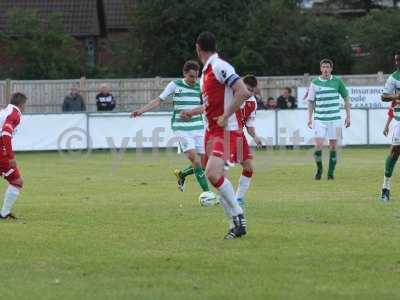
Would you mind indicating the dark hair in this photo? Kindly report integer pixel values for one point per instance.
(250, 80)
(207, 41)
(191, 65)
(270, 98)
(288, 89)
(326, 61)
(17, 99)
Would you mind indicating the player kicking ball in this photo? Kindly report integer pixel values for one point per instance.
(185, 94)
(9, 120)
(324, 104)
(223, 94)
(390, 94)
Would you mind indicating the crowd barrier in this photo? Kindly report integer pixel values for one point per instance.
(40, 132)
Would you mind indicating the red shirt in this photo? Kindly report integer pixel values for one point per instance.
(248, 112)
(10, 118)
(216, 83)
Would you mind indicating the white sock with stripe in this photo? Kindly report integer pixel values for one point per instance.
(10, 197)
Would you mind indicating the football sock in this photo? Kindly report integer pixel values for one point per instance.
(244, 183)
(332, 162)
(387, 182)
(318, 159)
(228, 212)
(187, 171)
(389, 165)
(201, 179)
(228, 193)
(10, 197)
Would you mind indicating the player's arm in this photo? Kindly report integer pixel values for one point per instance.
(390, 97)
(166, 94)
(240, 94)
(347, 106)
(149, 106)
(251, 130)
(6, 134)
(188, 114)
(389, 119)
(311, 105)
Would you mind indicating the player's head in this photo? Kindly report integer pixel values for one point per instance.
(206, 43)
(251, 82)
(19, 100)
(397, 59)
(191, 71)
(326, 67)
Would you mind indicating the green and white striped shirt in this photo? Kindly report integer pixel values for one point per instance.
(184, 97)
(392, 86)
(325, 94)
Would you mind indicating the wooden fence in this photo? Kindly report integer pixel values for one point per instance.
(46, 96)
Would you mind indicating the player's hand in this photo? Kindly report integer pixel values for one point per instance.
(347, 122)
(258, 142)
(12, 163)
(136, 113)
(309, 124)
(222, 121)
(386, 131)
(185, 115)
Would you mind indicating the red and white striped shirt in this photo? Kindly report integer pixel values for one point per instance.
(10, 118)
(216, 83)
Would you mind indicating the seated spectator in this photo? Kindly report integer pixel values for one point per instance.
(73, 101)
(286, 100)
(104, 100)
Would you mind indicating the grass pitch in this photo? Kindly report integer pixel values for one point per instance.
(105, 226)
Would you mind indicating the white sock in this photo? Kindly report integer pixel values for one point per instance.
(243, 187)
(228, 193)
(387, 181)
(10, 197)
(228, 212)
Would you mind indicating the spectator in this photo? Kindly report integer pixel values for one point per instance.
(286, 100)
(104, 100)
(73, 101)
(269, 103)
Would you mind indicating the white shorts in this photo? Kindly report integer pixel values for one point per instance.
(191, 140)
(396, 135)
(331, 130)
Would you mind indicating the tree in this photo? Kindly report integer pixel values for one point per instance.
(40, 49)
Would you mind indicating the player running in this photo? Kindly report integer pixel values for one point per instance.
(223, 94)
(185, 94)
(248, 114)
(323, 102)
(390, 94)
(10, 118)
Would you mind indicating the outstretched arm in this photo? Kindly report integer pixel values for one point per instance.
(149, 106)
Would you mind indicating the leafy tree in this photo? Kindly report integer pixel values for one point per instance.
(40, 49)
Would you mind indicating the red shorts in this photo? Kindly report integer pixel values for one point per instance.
(231, 146)
(9, 174)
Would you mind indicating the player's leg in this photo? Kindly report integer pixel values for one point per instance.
(334, 135)
(15, 185)
(389, 167)
(220, 147)
(199, 169)
(390, 163)
(319, 138)
(332, 159)
(188, 147)
(244, 181)
(246, 161)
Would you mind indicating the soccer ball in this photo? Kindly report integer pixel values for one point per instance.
(208, 199)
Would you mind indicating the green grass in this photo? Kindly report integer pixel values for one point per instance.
(103, 227)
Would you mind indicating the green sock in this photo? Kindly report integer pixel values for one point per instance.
(332, 162)
(389, 165)
(187, 171)
(201, 179)
(318, 159)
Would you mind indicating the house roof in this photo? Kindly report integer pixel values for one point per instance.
(80, 17)
(117, 13)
